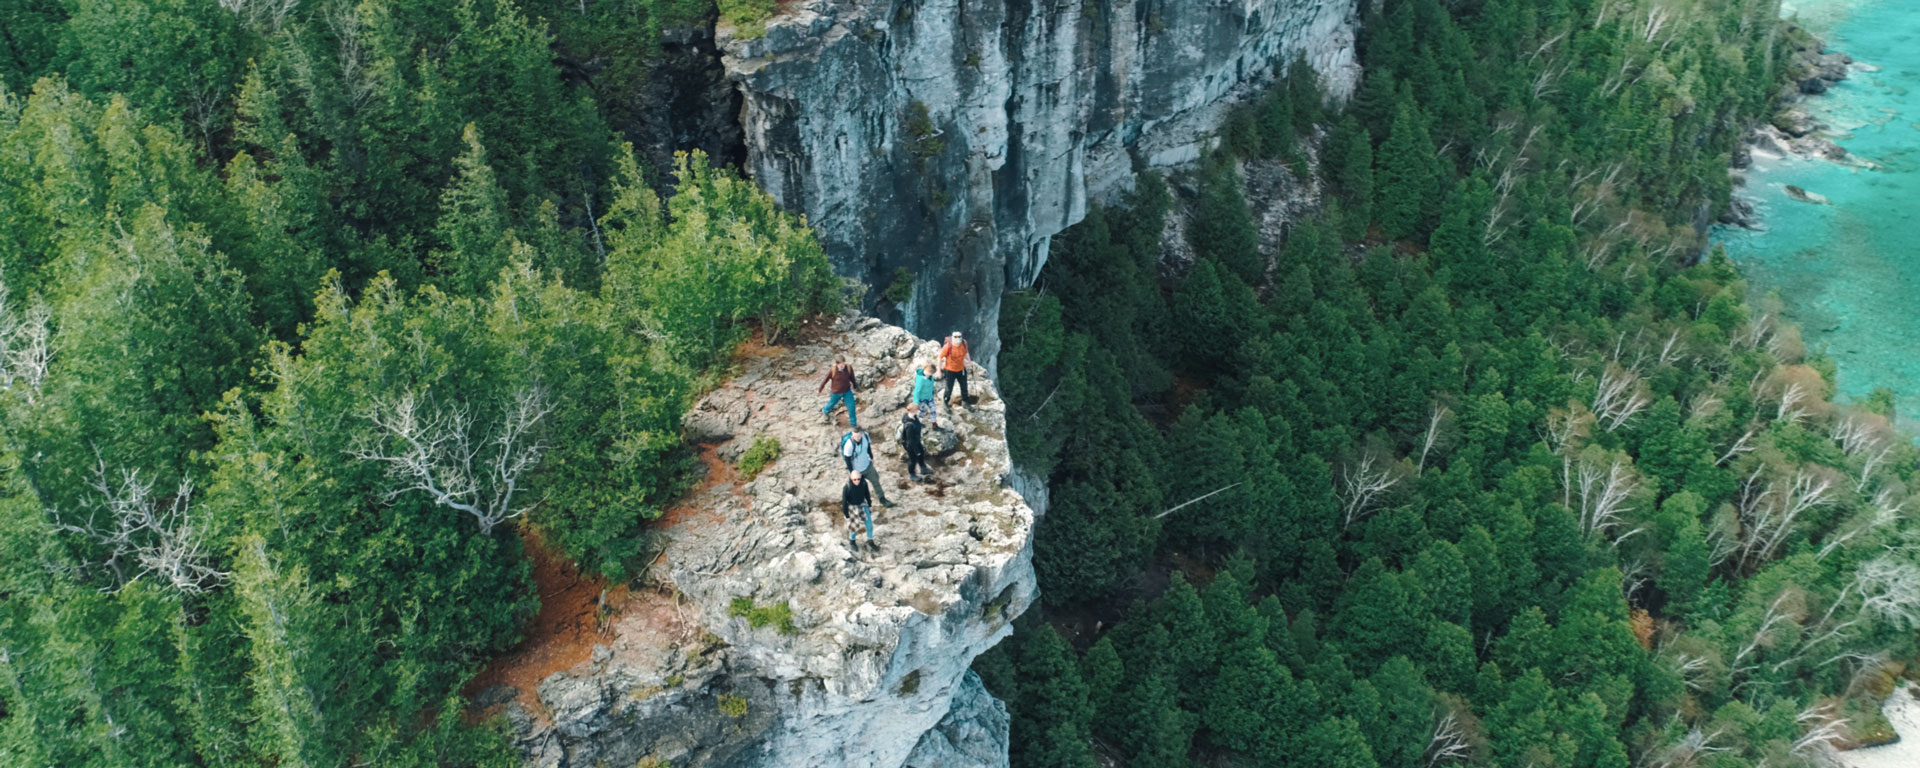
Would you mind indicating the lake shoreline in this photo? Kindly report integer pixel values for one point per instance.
(1793, 130)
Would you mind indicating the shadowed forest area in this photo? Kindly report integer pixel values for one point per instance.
(1495, 466)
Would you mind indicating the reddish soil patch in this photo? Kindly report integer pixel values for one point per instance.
(563, 634)
(692, 507)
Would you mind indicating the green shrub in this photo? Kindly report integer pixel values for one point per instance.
(764, 451)
(731, 705)
(779, 615)
(926, 142)
(901, 289)
(748, 17)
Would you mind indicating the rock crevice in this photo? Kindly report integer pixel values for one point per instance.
(762, 638)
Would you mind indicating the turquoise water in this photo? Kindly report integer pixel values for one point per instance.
(1849, 272)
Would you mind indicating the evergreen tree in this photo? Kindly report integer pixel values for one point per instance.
(1404, 182)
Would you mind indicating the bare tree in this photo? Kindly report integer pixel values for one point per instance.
(1361, 486)
(1604, 493)
(1825, 728)
(1619, 396)
(1890, 591)
(1432, 436)
(1767, 519)
(25, 351)
(1689, 751)
(439, 453)
(1882, 512)
(1449, 740)
(266, 15)
(147, 534)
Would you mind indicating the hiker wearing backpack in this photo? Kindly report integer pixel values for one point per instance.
(856, 449)
(840, 376)
(855, 498)
(926, 383)
(910, 441)
(953, 359)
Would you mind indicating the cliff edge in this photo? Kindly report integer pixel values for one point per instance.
(760, 638)
(940, 145)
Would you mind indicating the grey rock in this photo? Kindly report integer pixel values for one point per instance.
(1805, 196)
(953, 140)
(1795, 122)
(872, 669)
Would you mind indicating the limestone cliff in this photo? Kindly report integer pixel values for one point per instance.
(761, 638)
(952, 139)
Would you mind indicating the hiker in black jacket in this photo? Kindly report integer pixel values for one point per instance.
(910, 428)
(854, 496)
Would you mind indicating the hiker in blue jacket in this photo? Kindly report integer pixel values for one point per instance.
(926, 383)
(856, 449)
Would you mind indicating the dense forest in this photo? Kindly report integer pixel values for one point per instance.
(307, 311)
(310, 312)
(1487, 463)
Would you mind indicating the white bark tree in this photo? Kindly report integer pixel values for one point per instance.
(444, 454)
(1604, 491)
(1361, 486)
(147, 534)
(25, 349)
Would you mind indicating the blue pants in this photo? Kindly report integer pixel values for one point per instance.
(928, 409)
(853, 416)
(853, 523)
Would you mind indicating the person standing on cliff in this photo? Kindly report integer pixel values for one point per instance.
(854, 497)
(910, 428)
(926, 384)
(840, 377)
(953, 357)
(856, 449)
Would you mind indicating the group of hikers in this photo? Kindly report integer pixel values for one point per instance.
(856, 447)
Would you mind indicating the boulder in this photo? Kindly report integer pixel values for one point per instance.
(1805, 196)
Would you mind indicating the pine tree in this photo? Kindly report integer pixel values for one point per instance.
(1222, 228)
(1405, 183)
(475, 233)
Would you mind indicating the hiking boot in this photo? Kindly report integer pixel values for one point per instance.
(872, 545)
(887, 504)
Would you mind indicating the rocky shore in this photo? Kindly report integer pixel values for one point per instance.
(1793, 131)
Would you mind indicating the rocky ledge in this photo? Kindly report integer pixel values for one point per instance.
(761, 638)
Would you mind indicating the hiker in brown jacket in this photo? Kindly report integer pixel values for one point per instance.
(840, 376)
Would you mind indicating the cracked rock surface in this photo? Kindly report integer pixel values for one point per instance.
(870, 667)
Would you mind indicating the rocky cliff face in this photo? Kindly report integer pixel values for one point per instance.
(764, 639)
(952, 139)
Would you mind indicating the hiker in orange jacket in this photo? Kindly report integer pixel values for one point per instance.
(953, 367)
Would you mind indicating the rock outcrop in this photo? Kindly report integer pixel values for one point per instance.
(763, 638)
(940, 143)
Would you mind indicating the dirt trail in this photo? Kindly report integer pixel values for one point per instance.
(571, 620)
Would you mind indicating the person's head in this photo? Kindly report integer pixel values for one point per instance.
(955, 337)
(929, 367)
(913, 409)
(853, 477)
(839, 361)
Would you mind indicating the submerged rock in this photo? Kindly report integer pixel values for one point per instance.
(1805, 196)
(760, 638)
